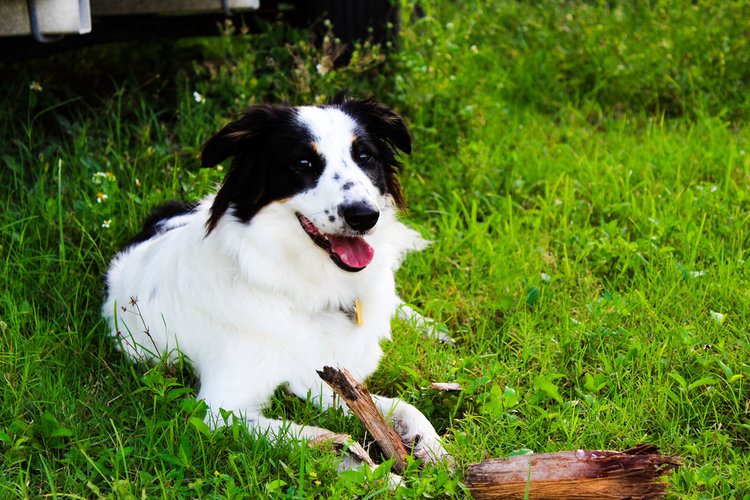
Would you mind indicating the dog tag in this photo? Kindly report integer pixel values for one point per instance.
(358, 312)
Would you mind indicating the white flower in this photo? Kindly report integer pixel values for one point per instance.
(322, 70)
(718, 317)
(35, 86)
(198, 97)
(100, 197)
(546, 278)
(106, 223)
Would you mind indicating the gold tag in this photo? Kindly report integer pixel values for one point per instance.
(358, 312)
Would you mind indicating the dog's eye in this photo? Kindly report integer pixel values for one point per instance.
(365, 156)
(303, 164)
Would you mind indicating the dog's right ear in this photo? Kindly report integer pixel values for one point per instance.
(231, 139)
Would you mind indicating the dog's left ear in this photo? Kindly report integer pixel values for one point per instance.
(380, 121)
(234, 137)
(244, 139)
(227, 142)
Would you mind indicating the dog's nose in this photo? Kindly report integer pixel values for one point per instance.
(360, 216)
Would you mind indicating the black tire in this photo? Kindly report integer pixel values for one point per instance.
(375, 20)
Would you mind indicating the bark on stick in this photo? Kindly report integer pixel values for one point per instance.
(360, 403)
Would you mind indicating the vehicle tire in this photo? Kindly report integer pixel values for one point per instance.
(375, 20)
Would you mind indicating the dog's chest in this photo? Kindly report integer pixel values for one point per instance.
(350, 317)
(344, 332)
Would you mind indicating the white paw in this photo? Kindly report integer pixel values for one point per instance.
(424, 440)
(431, 451)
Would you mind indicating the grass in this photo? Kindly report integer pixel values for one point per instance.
(582, 170)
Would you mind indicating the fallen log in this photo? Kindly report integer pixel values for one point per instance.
(581, 474)
(360, 403)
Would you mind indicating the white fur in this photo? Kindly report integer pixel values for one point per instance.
(257, 306)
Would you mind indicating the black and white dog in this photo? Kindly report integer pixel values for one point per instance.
(288, 268)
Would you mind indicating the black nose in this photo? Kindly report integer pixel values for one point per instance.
(360, 216)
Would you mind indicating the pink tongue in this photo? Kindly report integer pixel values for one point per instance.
(354, 252)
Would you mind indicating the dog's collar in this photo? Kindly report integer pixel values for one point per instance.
(355, 312)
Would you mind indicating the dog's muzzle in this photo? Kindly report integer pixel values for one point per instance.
(350, 253)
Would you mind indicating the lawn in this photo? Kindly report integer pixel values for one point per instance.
(582, 170)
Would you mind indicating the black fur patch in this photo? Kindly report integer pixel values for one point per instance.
(273, 159)
(383, 133)
(153, 224)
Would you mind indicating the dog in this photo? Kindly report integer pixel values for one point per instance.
(288, 268)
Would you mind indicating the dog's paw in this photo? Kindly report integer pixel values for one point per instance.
(431, 451)
(441, 333)
(425, 443)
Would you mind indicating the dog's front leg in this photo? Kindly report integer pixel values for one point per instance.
(246, 403)
(428, 326)
(272, 429)
(275, 429)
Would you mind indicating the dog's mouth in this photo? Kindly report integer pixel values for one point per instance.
(350, 253)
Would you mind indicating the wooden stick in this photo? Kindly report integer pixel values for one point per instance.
(580, 474)
(354, 455)
(345, 444)
(446, 386)
(360, 403)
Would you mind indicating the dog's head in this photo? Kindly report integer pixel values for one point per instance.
(333, 167)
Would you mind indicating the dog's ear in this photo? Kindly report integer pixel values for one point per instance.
(230, 140)
(380, 121)
(244, 140)
(387, 127)
(340, 97)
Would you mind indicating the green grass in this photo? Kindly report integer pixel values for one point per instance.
(582, 170)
